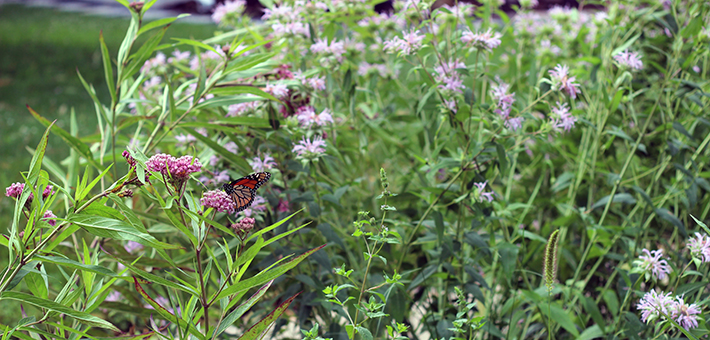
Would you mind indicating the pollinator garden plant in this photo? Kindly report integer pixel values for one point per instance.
(472, 174)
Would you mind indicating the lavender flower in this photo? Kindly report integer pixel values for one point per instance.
(50, 218)
(129, 159)
(630, 60)
(685, 315)
(159, 162)
(561, 117)
(653, 304)
(309, 150)
(307, 117)
(133, 247)
(411, 43)
(282, 206)
(261, 165)
(179, 56)
(219, 200)
(241, 108)
(15, 190)
(258, 205)
(235, 7)
(482, 194)
(651, 262)
(699, 247)
(562, 81)
(486, 41)
(277, 90)
(500, 94)
(514, 123)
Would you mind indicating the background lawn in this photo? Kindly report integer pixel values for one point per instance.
(40, 52)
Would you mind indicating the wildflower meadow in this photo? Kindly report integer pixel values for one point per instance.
(326, 171)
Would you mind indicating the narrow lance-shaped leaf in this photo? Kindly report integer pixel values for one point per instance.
(259, 329)
(243, 308)
(83, 317)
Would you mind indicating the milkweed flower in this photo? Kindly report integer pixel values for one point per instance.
(630, 60)
(50, 218)
(179, 169)
(485, 41)
(15, 191)
(699, 247)
(243, 227)
(309, 150)
(651, 263)
(241, 108)
(219, 200)
(562, 81)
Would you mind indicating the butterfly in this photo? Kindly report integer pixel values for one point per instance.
(243, 190)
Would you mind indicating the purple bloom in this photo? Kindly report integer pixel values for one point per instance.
(259, 204)
(316, 83)
(562, 80)
(114, 296)
(630, 60)
(244, 226)
(411, 43)
(228, 7)
(307, 117)
(652, 262)
(699, 247)
(156, 62)
(501, 96)
(561, 117)
(482, 41)
(15, 190)
(307, 149)
(182, 140)
(129, 159)
(282, 206)
(241, 108)
(653, 304)
(179, 56)
(685, 315)
(482, 194)
(231, 147)
(50, 218)
(179, 169)
(133, 246)
(261, 165)
(277, 90)
(217, 179)
(159, 162)
(219, 200)
(514, 123)
(290, 29)
(182, 167)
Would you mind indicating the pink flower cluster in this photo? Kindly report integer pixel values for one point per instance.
(15, 190)
(226, 8)
(561, 118)
(699, 247)
(449, 79)
(336, 48)
(308, 118)
(659, 306)
(262, 164)
(563, 81)
(176, 168)
(219, 200)
(487, 195)
(485, 41)
(505, 102)
(410, 43)
(630, 60)
(652, 262)
(307, 149)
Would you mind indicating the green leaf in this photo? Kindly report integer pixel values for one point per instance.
(668, 216)
(196, 44)
(239, 162)
(108, 68)
(243, 308)
(618, 198)
(593, 332)
(167, 315)
(72, 141)
(265, 276)
(161, 22)
(83, 317)
(139, 58)
(559, 316)
(69, 263)
(117, 229)
(260, 328)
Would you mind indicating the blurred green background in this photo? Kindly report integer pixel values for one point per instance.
(41, 50)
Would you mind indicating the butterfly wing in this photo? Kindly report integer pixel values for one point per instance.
(243, 190)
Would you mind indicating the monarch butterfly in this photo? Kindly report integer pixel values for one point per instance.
(243, 190)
